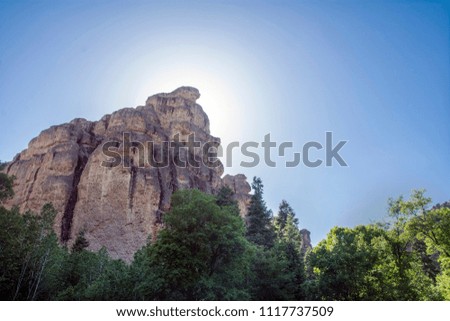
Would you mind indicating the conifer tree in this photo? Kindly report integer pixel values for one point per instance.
(259, 218)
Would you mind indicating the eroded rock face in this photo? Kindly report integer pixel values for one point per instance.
(306, 240)
(241, 188)
(118, 207)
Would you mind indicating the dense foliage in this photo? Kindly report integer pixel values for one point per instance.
(207, 252)
(6, 185)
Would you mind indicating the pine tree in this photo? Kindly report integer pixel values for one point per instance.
(6, 187)
(259, 218)
(80, 243)
(285, 214)
(225, 197)
(289, 246)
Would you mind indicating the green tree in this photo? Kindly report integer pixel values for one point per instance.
(225, 198)
(82, 276)
(289, 243)
(14, 246)
(411, 279)
(201, 254)
(259, 218)
(6, 187)
(28, 246)
(271, 278)
(285, 212)
(113, 283)
(345, 266)
(80, 243)
(432, 227)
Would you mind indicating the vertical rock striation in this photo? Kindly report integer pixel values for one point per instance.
(118, 207)
(306, 240)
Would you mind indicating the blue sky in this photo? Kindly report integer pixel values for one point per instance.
(375, 73)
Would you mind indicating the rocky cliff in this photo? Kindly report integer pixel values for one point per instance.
(306, 240)
(119, 205)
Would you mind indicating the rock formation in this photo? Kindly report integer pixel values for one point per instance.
(118, 206)
(239, 185)
(306, 240)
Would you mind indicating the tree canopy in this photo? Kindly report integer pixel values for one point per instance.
(206, 251)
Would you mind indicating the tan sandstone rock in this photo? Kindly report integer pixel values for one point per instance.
(306, 240)
(118, 207)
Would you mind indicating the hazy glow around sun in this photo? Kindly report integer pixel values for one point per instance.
(226, 79)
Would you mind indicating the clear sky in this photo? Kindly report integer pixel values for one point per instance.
(375, 73)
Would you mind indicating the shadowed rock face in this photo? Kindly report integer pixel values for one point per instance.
(118, 207)
(306, 240)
